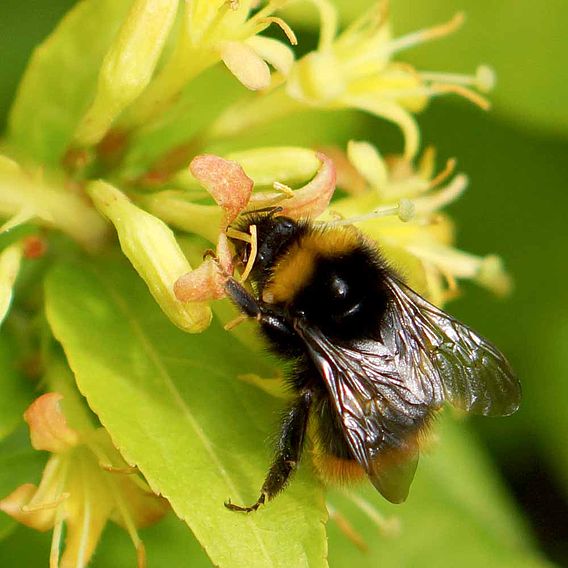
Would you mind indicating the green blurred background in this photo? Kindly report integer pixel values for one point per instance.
(516, 206)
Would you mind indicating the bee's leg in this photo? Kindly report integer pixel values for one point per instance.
(273, 325)
(242, 298)
(288, 452)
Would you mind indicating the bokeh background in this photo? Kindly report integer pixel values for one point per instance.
(517, 206)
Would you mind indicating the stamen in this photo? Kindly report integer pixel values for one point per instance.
(475, 98)
(428, 34)
(484, 78)
(235, 322)
(427, 164)
(253, 251)
(270, 8)
(444, 174)
(22, 216)
(347, 528)
(239, 235)
(285, 189)
(453, 291)
(282, 25)
(335, 216)
(129, 470)
(404, 210)
(129, 525)
(388, 527)
(435, 89)
(56, 540)
(44, 506)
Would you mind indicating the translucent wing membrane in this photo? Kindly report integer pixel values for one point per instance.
(463, 368)
(381, 417)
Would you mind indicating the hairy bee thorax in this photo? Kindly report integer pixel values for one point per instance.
(331, 275)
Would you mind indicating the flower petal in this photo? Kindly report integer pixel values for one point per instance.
(48, 425)
(10, 260)
(41, 520)
(202, 284)
(316, 80)
(87, 511)
(225, 180)
(244, 63)
(280, 56)
(368, 162)
(349, 179)
(393, 113)
(310, 200)
(285, 164)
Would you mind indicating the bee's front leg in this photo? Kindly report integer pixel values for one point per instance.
(288, 452)
(276, 328)
(243, 299)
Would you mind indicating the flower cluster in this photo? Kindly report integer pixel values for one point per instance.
(76, 174)
(84, 484)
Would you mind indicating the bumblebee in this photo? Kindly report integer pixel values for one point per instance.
(372, 361)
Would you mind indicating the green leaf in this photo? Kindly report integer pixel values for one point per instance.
(16, 391)
(174, 407)
(60, 80)
(19, 463)
(456, 515)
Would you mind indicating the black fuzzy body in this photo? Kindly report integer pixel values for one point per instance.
(372, 360)
(344, 296)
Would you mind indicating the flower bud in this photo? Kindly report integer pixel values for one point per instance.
(10, 260)
(151, 247)
(128, 65)
(286, 164)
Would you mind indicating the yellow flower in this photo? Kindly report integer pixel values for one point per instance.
(153, 250)
(211, 31)
(356, 70)
(400, 208)
(84, 484)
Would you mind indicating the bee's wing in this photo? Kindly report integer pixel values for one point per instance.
(381, 415)
(431, 347)
(385, 392)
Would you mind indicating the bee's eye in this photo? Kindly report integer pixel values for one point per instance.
(339, 288)
(285, 224)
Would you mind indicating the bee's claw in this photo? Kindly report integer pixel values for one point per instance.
(233, 507)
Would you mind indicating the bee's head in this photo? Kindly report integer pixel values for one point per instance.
(274, 234)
